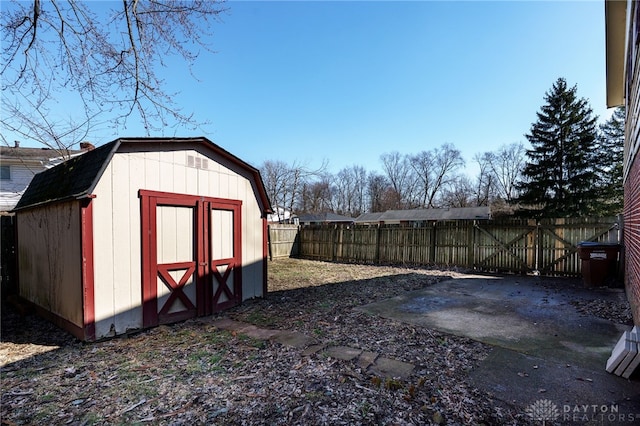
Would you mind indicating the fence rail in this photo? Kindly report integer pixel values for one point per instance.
(547, 247)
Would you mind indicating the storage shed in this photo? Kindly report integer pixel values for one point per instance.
(141, 232)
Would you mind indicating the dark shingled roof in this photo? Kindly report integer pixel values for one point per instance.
(75, 178)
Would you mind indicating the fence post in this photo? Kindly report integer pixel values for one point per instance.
(432, 249)
(377, 258)
(539, 247)
(472, 246)
(269, 239)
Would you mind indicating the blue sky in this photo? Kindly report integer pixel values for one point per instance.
(348, 81)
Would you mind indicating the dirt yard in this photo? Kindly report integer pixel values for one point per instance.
(194, 373)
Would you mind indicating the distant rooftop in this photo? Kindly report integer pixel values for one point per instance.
(327, 217)
(36, 154)
(416, 215)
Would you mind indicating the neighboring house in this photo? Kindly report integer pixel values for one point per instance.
(141, 232)
(280, 215)
(326, 218)
(622, 20)
(419, 216)
(19, 165)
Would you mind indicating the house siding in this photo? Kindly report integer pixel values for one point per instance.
(632, 239)
(12, 189)
(117, 222)
(632, 169)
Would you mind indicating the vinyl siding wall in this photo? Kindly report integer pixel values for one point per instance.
(12, 189)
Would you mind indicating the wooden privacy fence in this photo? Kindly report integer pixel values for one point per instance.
(546, 247)
(283, 241)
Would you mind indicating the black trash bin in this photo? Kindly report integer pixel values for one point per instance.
(599, 262)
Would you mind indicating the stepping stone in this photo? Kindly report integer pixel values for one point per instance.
(313, 349)
(261, 333)
(244, 328)
(366, 359)
(230, 325)
(344, 353)
(386, 367)
(293, 338)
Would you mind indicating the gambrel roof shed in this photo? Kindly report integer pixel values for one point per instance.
(140, 232)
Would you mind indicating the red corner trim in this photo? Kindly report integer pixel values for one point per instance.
(265, 254)
(88, 283)
(237, 248)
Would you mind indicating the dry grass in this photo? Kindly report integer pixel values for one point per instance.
(193, 373)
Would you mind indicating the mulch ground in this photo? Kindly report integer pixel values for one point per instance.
(194, 373)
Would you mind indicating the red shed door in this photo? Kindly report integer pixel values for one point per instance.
(223, 253)
(191, 256)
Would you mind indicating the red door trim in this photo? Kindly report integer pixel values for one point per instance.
(149, 258)
(203, 265)
(202, 236)
(234, 263)
(176, 290)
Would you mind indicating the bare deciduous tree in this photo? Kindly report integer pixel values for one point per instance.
(377, 185)
(484, 188)
(317, 196)
(436, 169)
(506, 166)
(96, 64)
(285, 184)
(401, 176)
(459, 193)
(349, 185)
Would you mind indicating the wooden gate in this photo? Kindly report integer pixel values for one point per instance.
(191, 253)
(545, 247)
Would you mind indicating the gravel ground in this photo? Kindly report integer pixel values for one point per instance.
(194, 373)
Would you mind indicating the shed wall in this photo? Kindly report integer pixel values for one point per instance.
(49, 259)
(117, 224)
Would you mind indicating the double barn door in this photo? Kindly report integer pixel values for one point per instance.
(191, 251)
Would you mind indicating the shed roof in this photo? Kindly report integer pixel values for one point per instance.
(77, 177)
(457, 213)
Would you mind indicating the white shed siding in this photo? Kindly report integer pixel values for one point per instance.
(117, 248)
(117, 226)
(50, 258)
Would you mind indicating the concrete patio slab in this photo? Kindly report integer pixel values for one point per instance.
(544, 348)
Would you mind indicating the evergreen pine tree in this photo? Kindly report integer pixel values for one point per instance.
(610, 163)
(559, 178)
